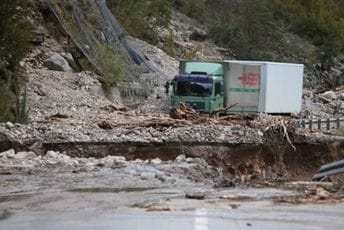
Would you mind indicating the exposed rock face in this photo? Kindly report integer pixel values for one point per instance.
(58, 63)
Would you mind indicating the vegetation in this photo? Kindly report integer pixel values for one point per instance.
(320, 21)
(141, 18)
(256, 29)
(244, 28)
(15, 32)
(192, 8)
(112, 64)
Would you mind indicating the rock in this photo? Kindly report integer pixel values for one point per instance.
(52, 155)
(198, 34)
(236, 197)
(197, 161)
(152, 206)
(9, 154)
(160, 177)
(25, 155)
(341, 96)
(322, 194)
(9, 125)
(159, 208)
(180, 158)
(195, 196)
(38, 36)
(58, 63)
(69, 58)
(330, 95)
(156, 161)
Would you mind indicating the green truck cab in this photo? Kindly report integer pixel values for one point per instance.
(200, 85)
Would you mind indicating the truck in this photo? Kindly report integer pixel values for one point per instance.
(241, 86)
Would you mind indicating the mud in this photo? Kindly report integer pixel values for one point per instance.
(264, 161)
(109, 190)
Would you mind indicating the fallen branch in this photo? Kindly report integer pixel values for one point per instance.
(287, 135)
(222, 110)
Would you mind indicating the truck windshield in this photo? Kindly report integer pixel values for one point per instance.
(196, 89)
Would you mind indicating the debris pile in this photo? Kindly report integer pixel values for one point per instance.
(117, 170)
(323, 104)
(184, 111)
(315, 193)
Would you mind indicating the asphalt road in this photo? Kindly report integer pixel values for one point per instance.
(254, 217)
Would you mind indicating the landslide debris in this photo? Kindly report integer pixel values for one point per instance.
(28, 171)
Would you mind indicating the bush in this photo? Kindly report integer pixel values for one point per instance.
(111, 64)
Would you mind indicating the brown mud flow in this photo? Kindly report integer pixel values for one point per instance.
(236, 160)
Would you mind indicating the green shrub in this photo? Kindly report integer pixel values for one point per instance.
(15, 36)
(111, 64)
(6, 102)
(169, 45)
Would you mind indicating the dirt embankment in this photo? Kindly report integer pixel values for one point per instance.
(238, 162)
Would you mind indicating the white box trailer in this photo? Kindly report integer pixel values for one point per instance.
(268, 87)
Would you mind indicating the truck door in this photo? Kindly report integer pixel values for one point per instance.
(242, 84)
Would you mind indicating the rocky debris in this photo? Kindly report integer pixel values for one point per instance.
(164, 63)
(316, 194)
(235, 197)
(38, 37)
(323, 105)
(58, 63)
(70, 171)
(25, 155)
(152, 206)
(183, 111)
(189, 39)
(330, 95)
(316, 77)
(8, 154)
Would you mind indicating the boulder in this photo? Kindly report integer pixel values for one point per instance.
(9, 153)
(180, 158)
(52, 155)
(58, 63)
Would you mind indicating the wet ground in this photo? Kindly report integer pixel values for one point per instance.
(114, 209)
(56, 191)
